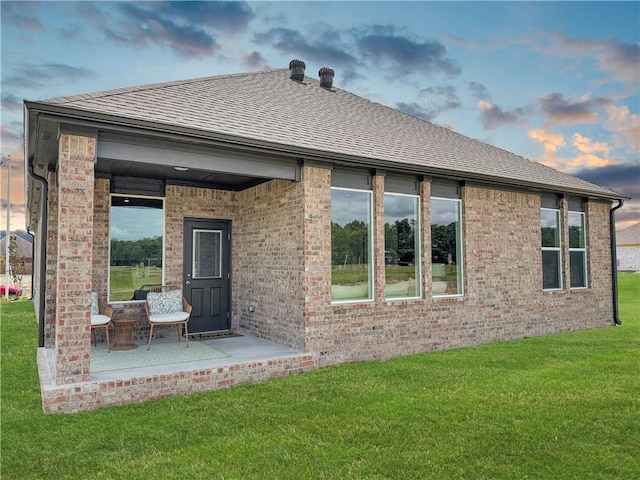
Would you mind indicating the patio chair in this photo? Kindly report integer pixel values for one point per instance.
(166, 305)
(101, 315)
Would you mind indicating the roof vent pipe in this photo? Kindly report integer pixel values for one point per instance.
(326, 77)
(297, 70)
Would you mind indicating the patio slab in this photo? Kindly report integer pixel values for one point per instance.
(249, 360)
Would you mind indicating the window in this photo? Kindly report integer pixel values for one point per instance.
(401, 246)
(135, 245)
(551, 255)
(446, 246)
(351, 244)
(577, 251)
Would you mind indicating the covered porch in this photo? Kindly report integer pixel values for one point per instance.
(168, 369)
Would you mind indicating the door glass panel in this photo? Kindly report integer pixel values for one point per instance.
(207, 254)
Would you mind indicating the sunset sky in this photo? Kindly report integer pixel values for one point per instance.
(556, 82)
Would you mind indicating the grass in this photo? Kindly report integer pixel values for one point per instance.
(557, 407)
(124, 280)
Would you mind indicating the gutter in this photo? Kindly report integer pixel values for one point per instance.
(614, 262)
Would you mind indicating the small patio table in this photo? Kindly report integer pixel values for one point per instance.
(123, 334)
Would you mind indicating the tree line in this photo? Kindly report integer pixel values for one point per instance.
(134, 252)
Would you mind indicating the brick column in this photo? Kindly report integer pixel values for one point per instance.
(74, 257)
(425, 246)
(316, 182)
(564, 243)
(378, 238)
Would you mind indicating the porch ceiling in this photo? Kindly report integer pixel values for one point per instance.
(107, 168)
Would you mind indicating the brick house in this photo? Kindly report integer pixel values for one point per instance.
(294, 211)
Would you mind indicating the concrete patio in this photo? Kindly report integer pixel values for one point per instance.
(247, 360)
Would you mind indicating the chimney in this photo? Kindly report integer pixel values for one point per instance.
(297, 70)
(326, 77)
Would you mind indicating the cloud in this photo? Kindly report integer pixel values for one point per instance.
(11, 134)
(414, 109)
(586, 145)
(626, 128)
(383, 45)
(612, 56)
(442, 98)
(586, 153)
(21, 15)
(10, 103)
(570, 111)
(254, 61)
(478, 91)
(550, 142)
(622, 178)
(36, 76)
(186, 27)
(161, 24)
(229, 17)
(493, 116)
(293, 42)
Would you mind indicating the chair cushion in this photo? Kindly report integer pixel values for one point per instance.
(164, 302)
(95, 308)
(99, 320)
(168, 317)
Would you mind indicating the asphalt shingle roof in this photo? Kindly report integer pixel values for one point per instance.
(270, 108)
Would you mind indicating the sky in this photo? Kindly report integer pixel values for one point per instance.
(555, 82)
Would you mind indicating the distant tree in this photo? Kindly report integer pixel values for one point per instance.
(443, 242)
(349, 244)
(16, 263)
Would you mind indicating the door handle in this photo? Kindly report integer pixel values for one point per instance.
(187, 282)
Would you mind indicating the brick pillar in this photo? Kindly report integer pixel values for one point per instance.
(425, 246)
(378, 239)
(75, 244)
(316, 182)
(564, 243)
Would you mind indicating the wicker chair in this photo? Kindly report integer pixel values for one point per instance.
(101, 315)
(166, 305)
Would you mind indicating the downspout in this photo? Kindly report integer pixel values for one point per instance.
(44, 199)
(614, 262)
(42, 252)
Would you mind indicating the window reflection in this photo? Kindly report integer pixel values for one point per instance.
(401, 251)
(351, 277)
(550, 238)
(136, 245)
(446, 247)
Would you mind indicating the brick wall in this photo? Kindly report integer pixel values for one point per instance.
(266, 253)
(503, 295)
(281, 265)
(268, 262)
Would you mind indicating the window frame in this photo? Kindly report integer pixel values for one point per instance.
(370, 245)
(417, 246)
(558, 249)
(459, 250)
(123, 195)
(582, 249)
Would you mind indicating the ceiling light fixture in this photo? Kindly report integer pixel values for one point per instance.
(181, 169)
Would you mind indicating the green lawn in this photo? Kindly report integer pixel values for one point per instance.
(558, 407)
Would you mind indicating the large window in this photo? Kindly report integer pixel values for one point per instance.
(351, 245)
(577, 251)
(401, 246)
(551, 252)
(136, 245)
(446, 246)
